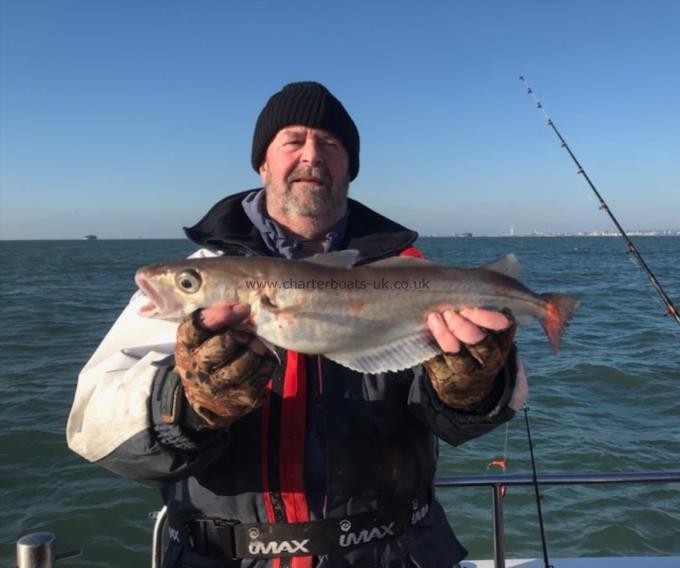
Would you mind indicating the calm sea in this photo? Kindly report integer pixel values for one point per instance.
(610, 403)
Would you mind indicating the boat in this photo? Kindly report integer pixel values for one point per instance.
(90, 237)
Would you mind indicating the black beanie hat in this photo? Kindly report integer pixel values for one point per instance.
(308, 104)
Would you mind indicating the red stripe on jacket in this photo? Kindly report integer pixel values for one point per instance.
(292, 446)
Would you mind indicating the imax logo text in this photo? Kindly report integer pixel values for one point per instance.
(352, 539)
(276, 548)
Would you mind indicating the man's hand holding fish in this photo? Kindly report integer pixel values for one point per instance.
(223, 369)
(466, 372)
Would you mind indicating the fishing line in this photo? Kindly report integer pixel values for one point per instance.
(632, 249)
(537, 491)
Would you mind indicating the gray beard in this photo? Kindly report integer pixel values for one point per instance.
(319, 201)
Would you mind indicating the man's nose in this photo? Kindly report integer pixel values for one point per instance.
(311, 152)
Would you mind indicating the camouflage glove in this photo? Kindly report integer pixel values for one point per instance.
(223, 373)
(463, 379)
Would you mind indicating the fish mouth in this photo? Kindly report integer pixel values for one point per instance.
(156, 304)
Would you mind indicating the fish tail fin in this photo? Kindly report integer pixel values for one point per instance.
(559, 310)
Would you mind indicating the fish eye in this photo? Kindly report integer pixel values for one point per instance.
(189, 281)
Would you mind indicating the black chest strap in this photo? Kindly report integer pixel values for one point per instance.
(219, 537)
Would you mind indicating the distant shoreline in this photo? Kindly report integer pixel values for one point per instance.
(666, 233)
(674, 233)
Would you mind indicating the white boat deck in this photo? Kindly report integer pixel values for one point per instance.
(598, 562)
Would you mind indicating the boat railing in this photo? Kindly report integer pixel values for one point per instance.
(497, 482)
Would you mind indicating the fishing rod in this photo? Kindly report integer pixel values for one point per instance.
(537, 492)
(632, 249)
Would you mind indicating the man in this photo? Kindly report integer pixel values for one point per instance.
(293, 460)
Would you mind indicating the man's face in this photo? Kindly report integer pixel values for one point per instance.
(305, 173)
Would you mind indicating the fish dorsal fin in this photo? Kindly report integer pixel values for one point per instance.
(397, 355)
(394, 261)
(508, 265)
(336, 259)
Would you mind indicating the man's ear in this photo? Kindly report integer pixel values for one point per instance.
(263, 171)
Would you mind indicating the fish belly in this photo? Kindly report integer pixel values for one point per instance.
(324, 323)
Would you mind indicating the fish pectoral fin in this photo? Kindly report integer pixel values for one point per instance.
(271, 304)
(269, 345)
(508, 265)
(336, 259)
(401, 354)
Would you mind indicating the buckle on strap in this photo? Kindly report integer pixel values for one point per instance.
(211, 537)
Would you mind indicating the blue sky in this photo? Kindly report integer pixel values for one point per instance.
(131, 118)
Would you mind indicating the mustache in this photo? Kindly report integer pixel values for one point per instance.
(316, 173)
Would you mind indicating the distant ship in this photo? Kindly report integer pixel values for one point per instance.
(90, 237)
(464, 234)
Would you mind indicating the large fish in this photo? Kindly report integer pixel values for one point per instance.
(370, 318)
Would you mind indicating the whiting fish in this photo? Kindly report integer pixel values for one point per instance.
(370, 318)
